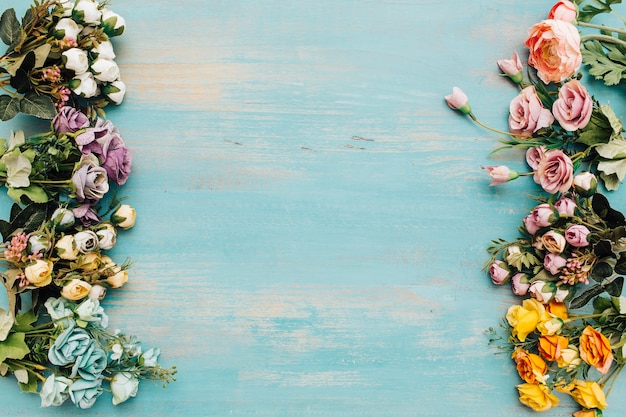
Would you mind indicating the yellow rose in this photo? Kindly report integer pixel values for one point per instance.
(588, 394)
(89, 261)
(117, 280)
(569, 358)
(66, 248)
(550, 327)
(124, 217)
(595, 349)
(550, 347)
(76, 289)
(538, 397)
(524, 319)
(40, 273)
(531, 367)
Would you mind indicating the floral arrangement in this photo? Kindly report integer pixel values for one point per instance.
(59, 65)
(567, 334)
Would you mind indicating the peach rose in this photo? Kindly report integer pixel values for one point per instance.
(531, 367)
(527, 114)
(595, 349)
(553, 242)
(550, 347)
(572, 109)
(536, 396)
(554, 47)
(563, 10)
(76, 289)
(555, 172)
(39, 273)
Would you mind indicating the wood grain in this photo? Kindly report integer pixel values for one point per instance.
(312, 216)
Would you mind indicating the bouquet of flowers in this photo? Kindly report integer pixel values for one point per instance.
(568, 333)
(59, 65)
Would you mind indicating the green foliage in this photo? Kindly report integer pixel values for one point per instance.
(10, 28)
(14, 347)
(586, 12)
(606, 61)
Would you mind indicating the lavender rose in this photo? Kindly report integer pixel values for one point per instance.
(527, 114)
(555, 172)
(86, 215)
(576, 235)
(69, 120)
(90, 180)
(573, 107)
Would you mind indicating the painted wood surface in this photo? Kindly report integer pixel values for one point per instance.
(312, 216)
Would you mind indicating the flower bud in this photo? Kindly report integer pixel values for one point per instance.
(115, 91)
(86, 12)
(86, 241)
(585, 184)
(84, 85)
(75, 59)
(106, 236)
(89, 261)
(66, 248)
(62, 219)
(75, 290)
(118, 279)
(459, 101)
(112, 23)
(38, 243)
(542, 291)
(520, 284)
(123, 386)
(512, 68)
(499, 272)
(66, 28)
(103, 50)
(39, 273)
(105, 70)
(97, 292)
(124, 217)
(501, 174)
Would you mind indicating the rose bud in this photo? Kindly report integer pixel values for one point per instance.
(458, 101)
(112, 23)
(75, 290)
(565, 206)
(499, 272)
(86, 11)
(576, 235)
(115, 91)
(105, 70)
(84, 85)
(66, 28)
(106, 236)
(66, 248)
(38, 243)
(97, 292)
(39, 273)
(75, 59)
(585, 184)
(500, 174)
(124, 217)
(542, 291)
(86, 241)
(512, 68)
(563, 10)
(520, 284)
(62, 219)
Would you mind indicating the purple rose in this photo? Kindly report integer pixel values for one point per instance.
(69, 120)
(86, 215)
(576, 235)
(117, 161)
(499, 272)
(553, 262)
(90, 180)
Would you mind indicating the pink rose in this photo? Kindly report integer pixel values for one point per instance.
(554, 262)
(501, 174)
(573, 107)
(540, 216)
(576, 235)
(563, 10)
(555, 172)
(499, 272)
(585, 184)
(554, 47)
(534, 156)
(512, 68)
(458, 101)
(520, 284)
(565, 206)
(527, 114)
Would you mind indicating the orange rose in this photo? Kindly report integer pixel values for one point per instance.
(595, 349)
(550, 347)
(531, 367)
(554, 47)
(557, 310)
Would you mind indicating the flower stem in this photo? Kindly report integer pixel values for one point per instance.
(481, 124)
(604, 38)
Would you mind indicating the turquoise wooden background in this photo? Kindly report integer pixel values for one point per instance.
(312, 216)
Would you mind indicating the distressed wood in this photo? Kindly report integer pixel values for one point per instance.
(312, 216)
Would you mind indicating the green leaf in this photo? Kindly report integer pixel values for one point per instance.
(30, 194)
(37, 105)
(620, 265)
(603, 249)
(24, 321)
(601, 271)
(10, 28)
(605, 61)
(9, 107)
(13, 347)
(598, 130)
(583, 299)
(614, 288)
(601, 303)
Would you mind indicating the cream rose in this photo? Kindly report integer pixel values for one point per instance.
(40, 273)
(553, 242)
(76, 289)
(118, 279)
(66, 248)
(124, 217)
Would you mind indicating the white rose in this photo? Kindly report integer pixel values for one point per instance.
(84, 85)
(115, 91)
(542, 291)
(104, 50)
(66, 248)
(62, 218)
(38, 243)
(106, 237)
(86, 11)
(97, 292)
(112, 23)
(67, 28)
(124, 217)
(123, 386)
(105, 70)
(86, 241)
(76, 60)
